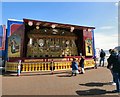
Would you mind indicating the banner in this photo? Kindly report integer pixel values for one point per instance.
(2, 37)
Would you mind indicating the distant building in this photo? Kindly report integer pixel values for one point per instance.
(2, 44)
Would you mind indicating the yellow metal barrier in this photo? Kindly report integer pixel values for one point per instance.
(48, 66)
(89, 63)
(44, 66)
(11, 66)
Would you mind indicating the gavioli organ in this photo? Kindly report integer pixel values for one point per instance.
(37, 43)
(49, 42)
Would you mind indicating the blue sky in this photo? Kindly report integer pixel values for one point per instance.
(102, 15)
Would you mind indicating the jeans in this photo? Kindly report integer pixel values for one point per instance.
(112, 76)
(117, 81)
(18, 72)
(102, 59)
(82, 65)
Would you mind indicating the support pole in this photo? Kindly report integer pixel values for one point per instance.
(52, 66)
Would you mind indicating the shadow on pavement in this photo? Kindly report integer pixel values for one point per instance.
(10, 74)
(97, 84)
(2, 71)
(93, 92)
(64, 75)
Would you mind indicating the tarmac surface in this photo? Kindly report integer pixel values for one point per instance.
(95, 82)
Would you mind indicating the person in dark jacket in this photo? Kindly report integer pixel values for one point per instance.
(102, 57)
(115, 67)
(74, 67)
(109, 66)
(82, 64)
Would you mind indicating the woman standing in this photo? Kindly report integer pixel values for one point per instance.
(82, 64)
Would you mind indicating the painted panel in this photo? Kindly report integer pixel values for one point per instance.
(88, 47)
(14, 42)
(12, 27)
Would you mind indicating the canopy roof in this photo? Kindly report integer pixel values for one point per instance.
(58, 25)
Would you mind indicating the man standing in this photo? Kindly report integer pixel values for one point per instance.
(114, 64)
(102, 57)
(109, 66)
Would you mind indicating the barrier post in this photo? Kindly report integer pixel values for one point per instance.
(52, 66)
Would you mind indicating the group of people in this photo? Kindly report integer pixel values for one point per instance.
(78, 66)
(113, 65)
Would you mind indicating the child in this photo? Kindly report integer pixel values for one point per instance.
(19, 68)
(74, 67)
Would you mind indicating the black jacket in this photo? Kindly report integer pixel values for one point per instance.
(81, 62)
(102, 54)
(113, 62)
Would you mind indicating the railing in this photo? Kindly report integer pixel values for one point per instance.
(39, 66)
(89, 63)
(11, 66)
(44, 66)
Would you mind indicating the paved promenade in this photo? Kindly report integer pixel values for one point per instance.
(93, 82)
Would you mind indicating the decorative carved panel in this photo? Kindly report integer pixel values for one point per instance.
(51, 43)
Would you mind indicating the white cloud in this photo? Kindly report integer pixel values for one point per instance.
(106, 27)
(116, 4)
(106, 42)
